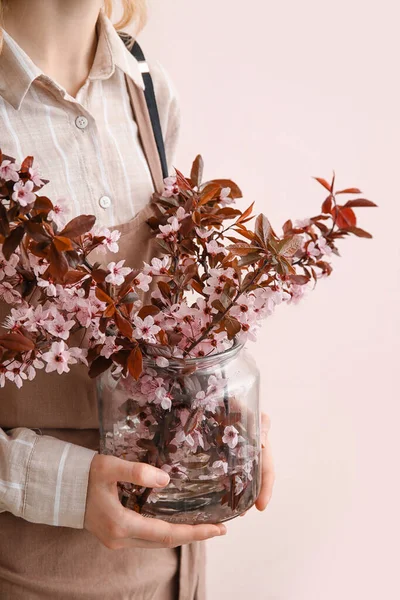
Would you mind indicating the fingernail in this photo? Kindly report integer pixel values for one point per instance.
(162, 478)
(222, 530)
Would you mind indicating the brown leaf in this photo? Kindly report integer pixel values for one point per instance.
(37, 231)
(58, 266)
(78, 226)
(16, 342)
(135, 363)
(288, 247)
(43, 204)
(246, 213)
(196, 173)
(236, 192)
(299, 279)
(209, 193)
(359, 232)
(99, 365)
(63, 244)
(147, 310)
(101, 295)
(12, 242)
(263, 228)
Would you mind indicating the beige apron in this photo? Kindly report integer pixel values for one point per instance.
(42, 562)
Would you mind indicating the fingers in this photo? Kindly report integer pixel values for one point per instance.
(267, 466)
(166, 534)
(115, 469)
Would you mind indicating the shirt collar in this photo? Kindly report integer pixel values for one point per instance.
(18, 71)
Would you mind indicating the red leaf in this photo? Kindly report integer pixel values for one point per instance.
(78, 226)
(324, 183)
(299, 279)
(101, 295)
(43, 204)
(27, 164)
(135, 363)
(123, 325)
(360, 202)
(345, 218)
(327, 205)
(350, 191)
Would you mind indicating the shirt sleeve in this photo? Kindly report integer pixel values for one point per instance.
(43, 479)
(168, 108)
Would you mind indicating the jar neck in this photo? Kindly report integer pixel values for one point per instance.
(201, 362)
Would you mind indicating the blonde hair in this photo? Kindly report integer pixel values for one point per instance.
(133, 10)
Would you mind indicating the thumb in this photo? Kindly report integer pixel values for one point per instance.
(116, 469)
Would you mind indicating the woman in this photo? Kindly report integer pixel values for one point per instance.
(71, 96)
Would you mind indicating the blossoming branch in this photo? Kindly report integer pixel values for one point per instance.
(212, 283)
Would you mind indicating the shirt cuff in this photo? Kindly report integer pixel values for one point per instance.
(56, 483)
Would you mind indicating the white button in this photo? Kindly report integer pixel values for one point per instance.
(105, 202)
(81, 122)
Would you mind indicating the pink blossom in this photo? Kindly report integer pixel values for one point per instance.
(9, 171)
(158, 266)
(48, 286)
(35, 177)
(168, 232)
(145, 328)
(163, 398)
(204, 233)
(161, 361)
(23, 193)
(59, 327)
(214, 248)
(7, 267)
(319, 247)
(170, 187)
(220, 467)
(9, 294)
(109, 347)
(142, 281)
(239, 487)
(111, 238)
(180, 215)
(60, 212)
(230, 436)
(17, 317)
(224, 197)
(57, 358)
(117, 272)
(175, 471)
(15, 373)
(302, 223)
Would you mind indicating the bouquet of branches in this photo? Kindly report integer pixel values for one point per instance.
(208, 289)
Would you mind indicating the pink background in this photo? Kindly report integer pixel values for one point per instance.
(273, 93)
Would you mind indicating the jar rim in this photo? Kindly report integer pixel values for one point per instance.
(198, 360)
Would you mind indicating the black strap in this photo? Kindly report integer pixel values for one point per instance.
(150, 96)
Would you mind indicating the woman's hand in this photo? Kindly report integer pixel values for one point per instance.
(267, 466)
(118, 527)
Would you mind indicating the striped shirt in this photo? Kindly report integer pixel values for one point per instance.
(89, 149)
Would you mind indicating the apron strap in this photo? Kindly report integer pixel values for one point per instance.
(142, 117)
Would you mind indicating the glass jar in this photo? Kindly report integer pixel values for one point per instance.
(199, 420)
